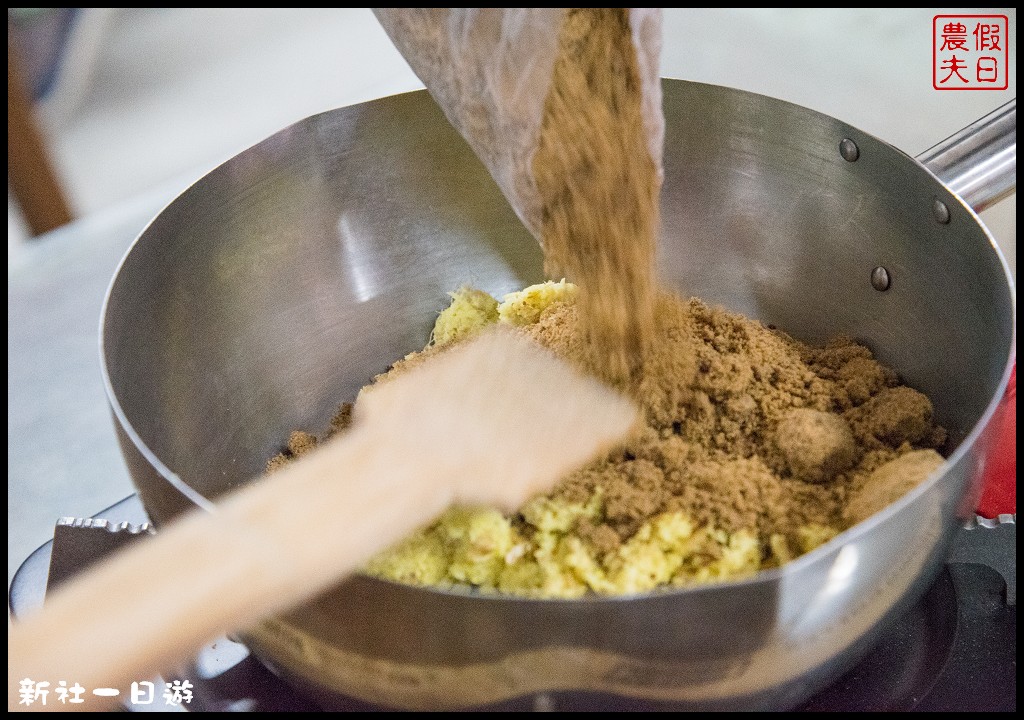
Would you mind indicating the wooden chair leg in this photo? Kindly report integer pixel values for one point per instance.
(31, 176)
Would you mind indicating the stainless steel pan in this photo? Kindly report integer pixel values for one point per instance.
(278, 284)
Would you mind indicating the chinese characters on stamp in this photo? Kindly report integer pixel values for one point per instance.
(970, 52)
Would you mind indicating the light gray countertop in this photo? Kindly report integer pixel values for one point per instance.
(62, 454)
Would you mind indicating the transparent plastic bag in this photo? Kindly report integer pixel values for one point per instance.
(490, 71)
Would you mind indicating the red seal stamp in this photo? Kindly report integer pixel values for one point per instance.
(970, 52)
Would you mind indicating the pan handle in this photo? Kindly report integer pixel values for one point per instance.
(979, 163)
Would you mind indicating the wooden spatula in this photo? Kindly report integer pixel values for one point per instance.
(491, 422)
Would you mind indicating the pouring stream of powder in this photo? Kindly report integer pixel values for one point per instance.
(599, 188)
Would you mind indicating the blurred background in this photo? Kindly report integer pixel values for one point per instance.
(146, 100)
(132, 105)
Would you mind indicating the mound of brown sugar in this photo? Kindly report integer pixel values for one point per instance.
(746, 427)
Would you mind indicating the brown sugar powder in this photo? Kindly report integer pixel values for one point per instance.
(599, 187)
(746, 427)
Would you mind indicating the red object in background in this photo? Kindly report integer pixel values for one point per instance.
(999, 493)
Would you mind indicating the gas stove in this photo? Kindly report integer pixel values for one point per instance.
(956, 649)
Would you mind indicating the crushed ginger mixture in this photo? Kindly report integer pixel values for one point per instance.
(756, 449)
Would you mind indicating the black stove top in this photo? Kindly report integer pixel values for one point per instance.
(956, 649)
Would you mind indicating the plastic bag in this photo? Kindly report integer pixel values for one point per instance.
(490, 71)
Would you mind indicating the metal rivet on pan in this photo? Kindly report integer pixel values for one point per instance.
(880, 279)
(849, 150)
(940, 212)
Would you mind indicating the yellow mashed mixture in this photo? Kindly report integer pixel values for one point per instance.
(539, 554)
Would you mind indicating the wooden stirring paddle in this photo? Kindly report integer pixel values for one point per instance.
(491, 422)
